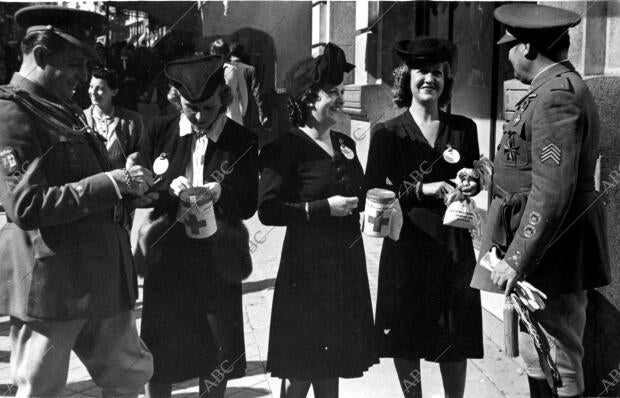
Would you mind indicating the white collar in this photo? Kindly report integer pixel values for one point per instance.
(547, 67)
(213, 132)
(99, 115)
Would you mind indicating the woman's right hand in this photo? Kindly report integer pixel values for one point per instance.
(340, 206)
(179, 184)
(437, 189)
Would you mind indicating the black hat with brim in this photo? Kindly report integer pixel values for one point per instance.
(424, 51)
(534, 23)
(197, 78)
(78, 27)
(326, 70)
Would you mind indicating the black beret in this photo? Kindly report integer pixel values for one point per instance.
(534, 23)
(327, 69)
(78, 27)
(427, 50)
(197, 77)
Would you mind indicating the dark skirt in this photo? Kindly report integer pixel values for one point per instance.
(321, 322)
(192, 319)
(425, 307)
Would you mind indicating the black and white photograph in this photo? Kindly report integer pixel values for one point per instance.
(310, 199)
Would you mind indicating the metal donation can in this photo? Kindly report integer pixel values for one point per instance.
(377, 212)
(197, 213)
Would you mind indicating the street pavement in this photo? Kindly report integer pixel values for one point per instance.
(493, 376)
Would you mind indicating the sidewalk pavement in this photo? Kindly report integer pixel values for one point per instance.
(493, 376)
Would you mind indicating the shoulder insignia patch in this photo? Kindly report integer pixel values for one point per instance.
(8, 160)
(551, 152)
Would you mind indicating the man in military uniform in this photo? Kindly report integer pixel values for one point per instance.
(66, 276)
(545, 220)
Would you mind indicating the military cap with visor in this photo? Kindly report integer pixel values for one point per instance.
(425, 51)
(197, 77)
(534, 23)
(326, 70)
(78, 27)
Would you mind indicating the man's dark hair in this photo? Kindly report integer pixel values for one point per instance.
(109, 75)
(555, 48)
(237, 50)
(49, 40)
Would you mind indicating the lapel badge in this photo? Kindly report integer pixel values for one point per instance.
(551, 151)
(451, 155)
(346, 151)
(8, 160)
(160, 165)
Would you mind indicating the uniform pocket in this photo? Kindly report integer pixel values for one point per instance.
(89, 239)
(514, 151)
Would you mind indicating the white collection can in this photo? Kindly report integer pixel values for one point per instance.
(377, 212)
(196, 211)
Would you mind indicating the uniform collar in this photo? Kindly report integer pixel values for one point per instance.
(31, 87)
(553, 70)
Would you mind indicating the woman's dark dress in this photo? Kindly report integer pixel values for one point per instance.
(425, 307)
(192, 317)
(321, 322)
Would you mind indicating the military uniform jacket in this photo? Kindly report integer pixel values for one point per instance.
(63, 255)
(545, 215)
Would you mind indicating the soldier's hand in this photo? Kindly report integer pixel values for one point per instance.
(504, 276)
(437, 189)
(135, 180)
(179, 184)
(340, 206)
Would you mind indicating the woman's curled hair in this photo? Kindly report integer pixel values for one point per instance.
(298, 107)
(401, 89)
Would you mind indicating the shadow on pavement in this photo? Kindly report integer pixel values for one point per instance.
(246, 392)
(251, 287)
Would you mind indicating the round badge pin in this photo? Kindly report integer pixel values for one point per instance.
(161, 164)
(451, 155)
(347, 152)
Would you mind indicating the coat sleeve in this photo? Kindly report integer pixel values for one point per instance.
(238, 200)
(276, 188)
(557, 132)
(30, 201)
(257, 93)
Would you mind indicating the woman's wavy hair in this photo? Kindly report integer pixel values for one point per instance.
(303, 91)
(401, 89)
(174, 97)
(297, 107)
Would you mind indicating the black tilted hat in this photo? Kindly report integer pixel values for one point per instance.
(78, 27)
(425, 50)
(197, 77)
(327, 69)
(534, 23)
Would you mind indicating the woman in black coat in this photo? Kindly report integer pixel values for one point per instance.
(425, 307)
(312, 182)
(192, 316)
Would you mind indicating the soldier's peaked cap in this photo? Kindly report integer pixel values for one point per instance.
(535, 23)
(78, 27)
(196, 77)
